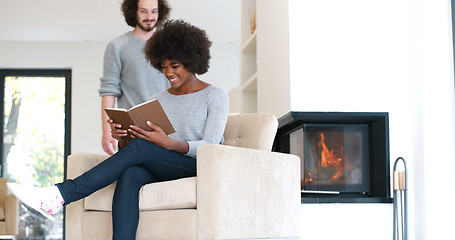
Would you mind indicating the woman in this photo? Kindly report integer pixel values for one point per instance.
(197, 110)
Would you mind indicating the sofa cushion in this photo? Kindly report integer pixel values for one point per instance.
(176, 194)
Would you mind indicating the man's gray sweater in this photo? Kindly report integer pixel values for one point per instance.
(127, 74)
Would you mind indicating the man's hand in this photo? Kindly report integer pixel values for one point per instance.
(109, 143)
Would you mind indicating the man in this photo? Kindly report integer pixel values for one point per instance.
(127, 76)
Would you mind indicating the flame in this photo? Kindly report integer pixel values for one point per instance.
(330, 159)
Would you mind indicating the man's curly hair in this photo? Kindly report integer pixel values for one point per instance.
(180, 41)
(130, 7)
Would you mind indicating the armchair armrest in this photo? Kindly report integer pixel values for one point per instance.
(79, 163)
(12, 215)
(246, 193)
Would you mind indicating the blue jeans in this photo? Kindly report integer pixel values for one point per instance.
(138, 163)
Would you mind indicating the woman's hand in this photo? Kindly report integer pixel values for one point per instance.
(116, 130)
(156, 135)
(159, 137)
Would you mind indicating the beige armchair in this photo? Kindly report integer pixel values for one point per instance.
(242, 191)
(9, 211)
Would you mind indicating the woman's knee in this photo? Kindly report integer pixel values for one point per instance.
(135, 177)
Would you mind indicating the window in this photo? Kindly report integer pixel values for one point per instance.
(35, 140)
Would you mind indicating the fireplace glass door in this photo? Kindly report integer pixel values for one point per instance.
(335, 157)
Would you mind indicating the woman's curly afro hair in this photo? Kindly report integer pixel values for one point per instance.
(129, 10)
(179, 41)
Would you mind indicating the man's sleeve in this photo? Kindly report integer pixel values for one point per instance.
(112, 67)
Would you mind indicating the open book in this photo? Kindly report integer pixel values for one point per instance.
(139, 115)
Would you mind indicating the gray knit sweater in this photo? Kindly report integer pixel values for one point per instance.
(198, 118)
(127, 74)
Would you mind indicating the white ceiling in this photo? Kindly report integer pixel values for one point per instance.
(101, 20)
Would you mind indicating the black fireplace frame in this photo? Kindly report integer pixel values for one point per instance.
(378, 123)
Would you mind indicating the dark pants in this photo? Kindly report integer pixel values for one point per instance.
(138, 163)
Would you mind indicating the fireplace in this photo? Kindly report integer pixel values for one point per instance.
(344, 156)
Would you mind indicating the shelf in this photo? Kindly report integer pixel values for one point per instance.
(250, 44)
(251, 84)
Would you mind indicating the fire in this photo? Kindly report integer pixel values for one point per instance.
(331, 159)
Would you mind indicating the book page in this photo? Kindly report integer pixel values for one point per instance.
(141, 104)
(153, 112)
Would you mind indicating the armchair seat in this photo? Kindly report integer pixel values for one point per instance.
(242, 191)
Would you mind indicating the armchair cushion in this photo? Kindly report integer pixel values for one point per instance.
(177, 194)
(252, 130)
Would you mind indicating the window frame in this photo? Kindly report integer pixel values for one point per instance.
(66, 73)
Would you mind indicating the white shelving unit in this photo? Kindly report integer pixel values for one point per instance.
(264, 59)
(248, 58)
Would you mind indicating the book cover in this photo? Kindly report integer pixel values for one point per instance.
(139, 115)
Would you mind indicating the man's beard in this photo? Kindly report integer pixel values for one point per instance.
(146, 27)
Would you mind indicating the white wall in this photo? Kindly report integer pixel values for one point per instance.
(220, 19)
(273, 63)
(391, 56)
(85, 61)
